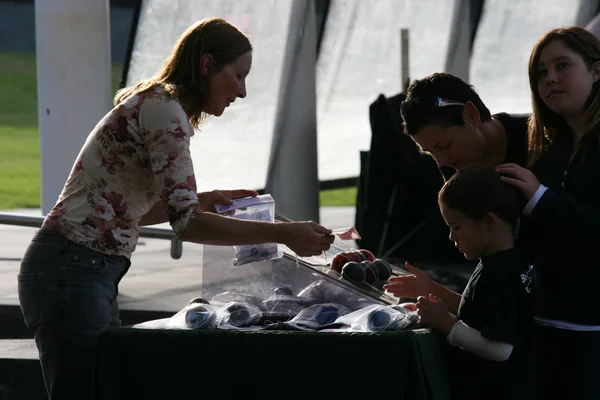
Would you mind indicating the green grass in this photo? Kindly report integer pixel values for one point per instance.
(338, 197)
(19, 137)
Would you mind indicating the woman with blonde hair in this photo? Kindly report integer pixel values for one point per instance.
(135, 169)
(562, 217)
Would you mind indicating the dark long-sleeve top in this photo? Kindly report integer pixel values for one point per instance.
(565, 231)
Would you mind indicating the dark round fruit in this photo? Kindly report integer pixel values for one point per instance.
(338, 261)
(385, 271)
(198, 317)
(354, 272)
(326, 314)
(371, 272)
(238, 314)
(369, 256)
(378, 320)
(354, 256)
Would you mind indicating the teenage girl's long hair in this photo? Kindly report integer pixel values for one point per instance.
(544, 123)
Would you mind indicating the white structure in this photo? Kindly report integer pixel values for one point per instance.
(360, 59)
(292, 176)
(74, 83)
(269, 139)
(231, 151)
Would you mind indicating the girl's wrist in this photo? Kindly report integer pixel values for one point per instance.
(446, 324)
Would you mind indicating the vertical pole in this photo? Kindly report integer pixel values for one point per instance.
(458, 58)
(73, 81)
(292, 176)
(404, 66)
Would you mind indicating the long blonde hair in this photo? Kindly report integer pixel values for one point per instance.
(181, 73)
(544, 123)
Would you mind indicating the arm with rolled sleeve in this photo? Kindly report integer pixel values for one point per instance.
(503, 328)
(167, 135)
(471, 340)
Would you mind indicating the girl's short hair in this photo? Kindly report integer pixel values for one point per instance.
(477, 190)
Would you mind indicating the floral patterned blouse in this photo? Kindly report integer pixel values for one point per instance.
(138, 154)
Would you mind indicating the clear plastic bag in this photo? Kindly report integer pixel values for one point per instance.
(200, 314)
(286, 304)
(379, 318)
(239, 315)
(193, 316)
(260, 208)
(323, 291)
(319, 315)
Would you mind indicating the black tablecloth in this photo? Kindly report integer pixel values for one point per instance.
(162, 364)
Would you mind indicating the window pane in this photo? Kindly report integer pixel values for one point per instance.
(231, 151)
(360, 59)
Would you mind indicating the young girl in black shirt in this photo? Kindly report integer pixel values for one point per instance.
(492, 327)
(562, 218)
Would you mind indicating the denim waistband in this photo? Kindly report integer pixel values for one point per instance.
(49, 235)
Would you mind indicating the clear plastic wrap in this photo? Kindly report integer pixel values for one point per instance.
(379, 318)
(277, 294)
(223, 298)
(299, 312)
(323, 291)
(286, 305)
(199, 314)
(260, 208)
(239, 315)
(193, 316)
(319, 315)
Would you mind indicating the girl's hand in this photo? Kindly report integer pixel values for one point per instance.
(521, 178)
(434, 313)
(410, 286)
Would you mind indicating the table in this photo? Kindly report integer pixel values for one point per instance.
(179, 364)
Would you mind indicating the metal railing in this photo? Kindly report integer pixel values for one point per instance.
(147, 232)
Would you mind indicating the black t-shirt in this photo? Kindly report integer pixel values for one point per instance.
(515, 126)
(497, 302)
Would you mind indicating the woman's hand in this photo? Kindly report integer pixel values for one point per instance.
(434, 313)
(306, 238)
(410, 286)
(521, 178)
(207, 200)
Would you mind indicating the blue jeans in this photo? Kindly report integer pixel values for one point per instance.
(68, 293)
